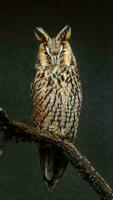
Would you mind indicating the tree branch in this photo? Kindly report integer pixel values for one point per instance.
(18, 131)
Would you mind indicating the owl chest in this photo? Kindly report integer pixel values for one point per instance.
(55, 100)
(54, 85)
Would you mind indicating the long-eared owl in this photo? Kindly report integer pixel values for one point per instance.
(56, 98)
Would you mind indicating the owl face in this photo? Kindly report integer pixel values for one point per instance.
(54, 51)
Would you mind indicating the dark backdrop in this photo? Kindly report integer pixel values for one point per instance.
(92, 42)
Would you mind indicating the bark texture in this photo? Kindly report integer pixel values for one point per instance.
(19, 131)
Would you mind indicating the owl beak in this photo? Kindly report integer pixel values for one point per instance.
(55, 60)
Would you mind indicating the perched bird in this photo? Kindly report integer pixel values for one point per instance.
(56, 98)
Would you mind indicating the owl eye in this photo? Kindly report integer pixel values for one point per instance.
(63, 50)
(46, 53)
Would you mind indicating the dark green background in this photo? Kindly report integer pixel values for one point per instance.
(92, 42)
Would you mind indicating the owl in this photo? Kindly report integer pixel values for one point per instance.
(56, 99)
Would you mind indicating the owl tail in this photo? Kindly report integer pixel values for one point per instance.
(53, 162)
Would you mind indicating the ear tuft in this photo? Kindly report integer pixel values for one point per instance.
(65, 33)
(41, 35)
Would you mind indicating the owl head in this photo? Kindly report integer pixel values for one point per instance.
(56, 50)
